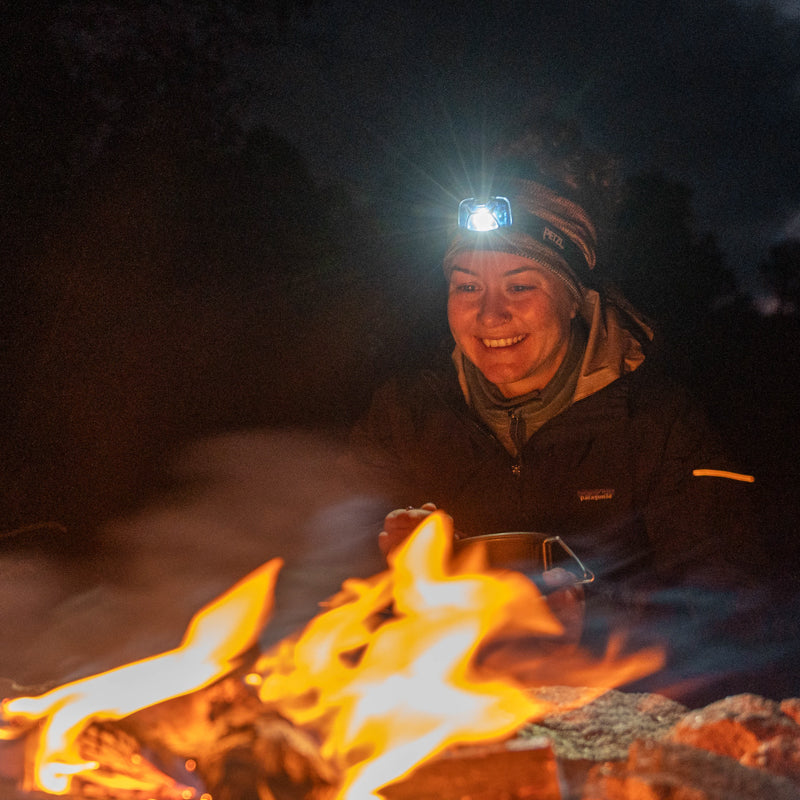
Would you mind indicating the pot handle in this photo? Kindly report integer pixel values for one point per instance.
(587, 576)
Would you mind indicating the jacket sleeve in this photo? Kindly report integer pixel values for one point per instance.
(699, 510)
(377, 443)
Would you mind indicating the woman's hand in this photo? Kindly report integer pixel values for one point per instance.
(400, 523)
(566, 599)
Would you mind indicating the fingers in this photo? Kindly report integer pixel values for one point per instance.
(566, 601)
(407, 518)
(557, 577)
(400, 523)
(387, 543)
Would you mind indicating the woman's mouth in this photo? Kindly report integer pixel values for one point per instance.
(506, 342)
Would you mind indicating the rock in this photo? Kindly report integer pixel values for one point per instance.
(605, 728)
(781, 756)
(673, 771)
(755, 731)
(791, 707)
(744, 746)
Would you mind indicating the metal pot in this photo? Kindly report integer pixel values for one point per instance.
(528, 552)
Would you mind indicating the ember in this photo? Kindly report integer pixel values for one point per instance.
(383, 680)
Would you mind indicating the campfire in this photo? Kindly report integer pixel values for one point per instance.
(413, 683)
(385, 678)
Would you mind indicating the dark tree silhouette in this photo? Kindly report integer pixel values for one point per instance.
(781, 272)
(662, 264)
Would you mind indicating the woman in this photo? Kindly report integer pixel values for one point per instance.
(549, 414)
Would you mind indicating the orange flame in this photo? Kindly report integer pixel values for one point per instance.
(215, 637)
(387, 692)
(387, 677)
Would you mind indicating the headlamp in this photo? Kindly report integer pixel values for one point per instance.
(484, 215)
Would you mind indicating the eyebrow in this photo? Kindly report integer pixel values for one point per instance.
(511, 272)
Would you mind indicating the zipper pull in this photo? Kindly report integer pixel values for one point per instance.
(516, 431)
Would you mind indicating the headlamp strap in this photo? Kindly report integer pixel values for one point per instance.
(552, 237)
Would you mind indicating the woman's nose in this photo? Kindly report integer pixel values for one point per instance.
(494, 309)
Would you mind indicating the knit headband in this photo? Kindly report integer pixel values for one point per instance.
(546, 228)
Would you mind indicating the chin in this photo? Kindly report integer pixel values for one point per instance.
(501, 378)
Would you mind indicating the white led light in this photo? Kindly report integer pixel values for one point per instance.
(482, 219)
(484, 215)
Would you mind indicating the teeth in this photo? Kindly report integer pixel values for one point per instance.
(502, 342)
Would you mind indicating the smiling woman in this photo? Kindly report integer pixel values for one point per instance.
(549, 413)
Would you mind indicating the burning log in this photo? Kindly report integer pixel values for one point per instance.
(520, 770)
(123, 773)
(56, 722)
(238, 747)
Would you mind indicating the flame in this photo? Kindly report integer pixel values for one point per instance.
(215, 637)
(388, 690)
(396, 669)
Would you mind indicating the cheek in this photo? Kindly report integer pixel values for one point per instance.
(551, 315)
(541, 314)
(457, 314)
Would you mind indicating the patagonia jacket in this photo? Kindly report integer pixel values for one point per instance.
(630, 474)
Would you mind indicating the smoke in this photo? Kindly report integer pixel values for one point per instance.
(718, 641)
(229, 504)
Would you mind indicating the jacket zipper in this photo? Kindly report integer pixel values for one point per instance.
(517, 433)
(517, 429)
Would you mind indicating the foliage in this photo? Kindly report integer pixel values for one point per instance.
(660, 261)
(781, 271)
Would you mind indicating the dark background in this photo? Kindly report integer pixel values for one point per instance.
(226, 216)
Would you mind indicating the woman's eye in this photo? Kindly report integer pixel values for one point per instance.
(465, 288)
(521, 287)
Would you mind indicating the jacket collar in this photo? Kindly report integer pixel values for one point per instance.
(615, 345)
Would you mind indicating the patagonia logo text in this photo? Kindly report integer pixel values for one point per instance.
(587, 495)
(551, 236)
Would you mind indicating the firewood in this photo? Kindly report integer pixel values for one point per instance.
(519, 770)
(235, 740)
(281, 762)
(124, 773)
(201, 724)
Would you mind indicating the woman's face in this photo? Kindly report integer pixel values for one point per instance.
(511, 318)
